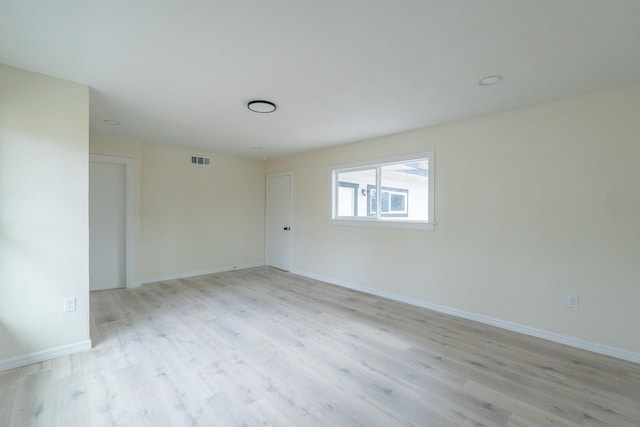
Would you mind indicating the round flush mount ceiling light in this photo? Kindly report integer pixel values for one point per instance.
(112, 122)
(261, 106)
(490, 80)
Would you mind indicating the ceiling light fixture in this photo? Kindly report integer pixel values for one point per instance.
(490, 80)
(261, 106)
(112, 122)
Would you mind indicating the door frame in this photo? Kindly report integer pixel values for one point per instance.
(128, 209)
(266, 216)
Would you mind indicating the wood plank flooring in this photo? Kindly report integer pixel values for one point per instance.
(261, 347)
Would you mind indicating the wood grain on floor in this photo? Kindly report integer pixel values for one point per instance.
(263, 347)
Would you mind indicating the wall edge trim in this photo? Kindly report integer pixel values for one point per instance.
(43, 355)
(575, 342)
(146, 280)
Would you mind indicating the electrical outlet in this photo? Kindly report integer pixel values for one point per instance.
(573, 301)
(70, 304)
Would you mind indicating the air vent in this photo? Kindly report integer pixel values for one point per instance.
(200, 161)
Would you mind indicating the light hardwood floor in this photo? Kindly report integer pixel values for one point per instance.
(263, 347)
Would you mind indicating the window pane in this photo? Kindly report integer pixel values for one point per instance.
(353, 188)
(397, 202)
(407, 187)
(373, 203)
(384, 201)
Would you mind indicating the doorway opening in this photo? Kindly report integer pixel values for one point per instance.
(110, 222)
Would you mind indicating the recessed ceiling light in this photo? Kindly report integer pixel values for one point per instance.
(490, 80)
(261, 106)
(112, 122)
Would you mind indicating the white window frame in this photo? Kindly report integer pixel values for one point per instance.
(379, 221)
(389, 192)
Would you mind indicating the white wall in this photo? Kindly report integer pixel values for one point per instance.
(191, 219)
(44, 138)
(531, 205)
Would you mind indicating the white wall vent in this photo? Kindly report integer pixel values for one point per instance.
(200, 160)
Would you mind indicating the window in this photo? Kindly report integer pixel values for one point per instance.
(393, 202)
(404, 186)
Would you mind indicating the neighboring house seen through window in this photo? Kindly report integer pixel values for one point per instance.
(405, 186)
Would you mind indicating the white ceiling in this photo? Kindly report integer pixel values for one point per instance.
(180, 72)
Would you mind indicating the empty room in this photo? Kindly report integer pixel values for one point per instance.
(328, 213)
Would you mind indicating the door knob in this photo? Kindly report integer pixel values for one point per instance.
(287, 228)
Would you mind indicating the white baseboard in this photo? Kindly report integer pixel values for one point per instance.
(516, 327)
(196, 273)
(41, 356)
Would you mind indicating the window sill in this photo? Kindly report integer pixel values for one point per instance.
(410, 225)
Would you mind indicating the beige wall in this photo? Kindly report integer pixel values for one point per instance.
(44, 242)
(191, 219)
(531, 205)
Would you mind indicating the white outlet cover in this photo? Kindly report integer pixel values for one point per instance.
(573, 301)
(70, 304)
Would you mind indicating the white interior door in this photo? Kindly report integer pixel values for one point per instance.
(279, 221)
(107, 230)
